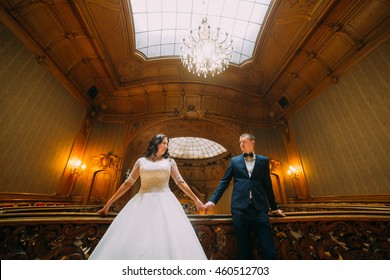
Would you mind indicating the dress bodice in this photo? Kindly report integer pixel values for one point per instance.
(154, 174)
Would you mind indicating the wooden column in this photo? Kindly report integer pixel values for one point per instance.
(299, 183)
(68, 179)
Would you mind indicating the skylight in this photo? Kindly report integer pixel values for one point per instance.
(161, 25)
(194, 148)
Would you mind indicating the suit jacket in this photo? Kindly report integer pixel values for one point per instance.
(259, 183)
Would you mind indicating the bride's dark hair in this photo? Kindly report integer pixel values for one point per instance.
(152, 148)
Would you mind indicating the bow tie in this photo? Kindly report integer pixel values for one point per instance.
(248, 155)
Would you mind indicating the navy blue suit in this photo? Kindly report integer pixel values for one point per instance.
(248, 215)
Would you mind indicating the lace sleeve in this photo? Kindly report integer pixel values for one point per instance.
(134, 174)
(175, 174)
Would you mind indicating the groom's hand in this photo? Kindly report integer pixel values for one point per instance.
(279, 212)
(208, 206)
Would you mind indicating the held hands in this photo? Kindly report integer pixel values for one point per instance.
(208, 207)
(204, 207)
(199, 205)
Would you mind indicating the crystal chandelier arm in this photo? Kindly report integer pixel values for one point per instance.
(187, 45)
(226, 37)
(193, 38)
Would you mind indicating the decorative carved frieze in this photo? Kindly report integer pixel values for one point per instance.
(307, 236)
(335, 240)
(49, 241)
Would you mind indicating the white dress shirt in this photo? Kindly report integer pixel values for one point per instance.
(250, 164)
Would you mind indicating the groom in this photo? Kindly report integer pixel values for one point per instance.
(251, 199)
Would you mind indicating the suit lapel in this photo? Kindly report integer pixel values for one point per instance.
(243, 166)
(257, 164)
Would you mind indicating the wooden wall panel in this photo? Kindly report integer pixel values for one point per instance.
(210, 104)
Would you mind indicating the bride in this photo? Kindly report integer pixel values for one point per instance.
(153, 224)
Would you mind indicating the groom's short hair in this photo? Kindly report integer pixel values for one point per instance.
(249, 136)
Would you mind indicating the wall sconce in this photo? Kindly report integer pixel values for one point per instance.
(78, 168)
(292, 172)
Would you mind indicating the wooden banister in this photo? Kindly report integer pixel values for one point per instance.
(73, 232)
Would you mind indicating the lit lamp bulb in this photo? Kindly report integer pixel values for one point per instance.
(78, 167)
(292, 172)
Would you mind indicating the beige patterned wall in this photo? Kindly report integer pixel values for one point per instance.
(343, 135)
(38, 120)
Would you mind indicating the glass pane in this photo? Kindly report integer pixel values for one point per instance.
(241, 19)
(194, 148)
(168, 50)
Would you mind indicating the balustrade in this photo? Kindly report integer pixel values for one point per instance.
(310, 232)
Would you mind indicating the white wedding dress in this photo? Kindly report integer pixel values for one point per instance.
(153, 224)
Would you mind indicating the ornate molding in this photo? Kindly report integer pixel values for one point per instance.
(190, 112)
(49, 241)
(129, 69)
(335, 240)
(282, 123)
(105, 161)
(308, 236)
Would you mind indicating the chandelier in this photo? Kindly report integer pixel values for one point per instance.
(206, 51)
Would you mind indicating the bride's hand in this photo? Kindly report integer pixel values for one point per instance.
(103, 211)
(199, 205)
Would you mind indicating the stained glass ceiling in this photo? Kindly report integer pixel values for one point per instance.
(194, 148)
(161, 25)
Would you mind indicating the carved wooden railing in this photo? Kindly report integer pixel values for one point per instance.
(326, 233)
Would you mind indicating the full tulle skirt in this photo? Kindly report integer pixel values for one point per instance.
(152, 226)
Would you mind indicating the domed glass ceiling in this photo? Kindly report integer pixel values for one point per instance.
(194, 148)
(161, 25)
